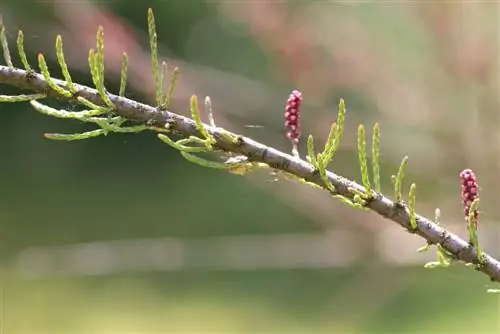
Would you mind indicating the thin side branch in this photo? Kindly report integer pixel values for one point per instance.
(257, 152)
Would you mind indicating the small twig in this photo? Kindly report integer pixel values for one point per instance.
(257, 152)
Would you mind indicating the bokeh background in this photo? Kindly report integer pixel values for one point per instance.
(120, 235)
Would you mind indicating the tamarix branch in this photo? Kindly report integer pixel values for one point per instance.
(117, 114)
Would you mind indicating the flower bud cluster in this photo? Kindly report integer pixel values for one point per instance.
(292, 116)
(470, 191)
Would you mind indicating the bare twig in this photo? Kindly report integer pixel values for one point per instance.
(257, 152)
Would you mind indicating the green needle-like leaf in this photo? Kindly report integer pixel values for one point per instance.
(234, 139)
(424, 248)
(171, 88)
(340, 124)
(64, 66)
(84, 116)
(46, 74)
(5, 45)
(20, 50)
(163, 78)
(398, 180)
(326, 180)
(123, 77)
(363, 160)
(351, 203)
(443, 257)
(93, 68)
(127, 129)
(211, 164)
(411, 206)
(195, 113)
(472, 228)
(376, 157)
(92, 105)
(180, 145)
(311, 155)
(99, 58)
(21, 97)
(154, 57)
(75, 136)
(334, 137)
(99, 68)
(208, 110)
(326, 156)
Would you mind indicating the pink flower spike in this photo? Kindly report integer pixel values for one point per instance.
(292, 119)
(470, 191)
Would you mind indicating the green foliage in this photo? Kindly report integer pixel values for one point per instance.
(20, 50)
(180, 145)
(333, 141)
(397, 181)
(321, 161)
(96, 64)
(208, 110)
(472, 228)
(153, 42)
(46, 75)
(443, 259)
(411, 206)
(363, 160)
(213, 164)
(236, 165)
(107, 124)
(162, 80)
(375, 157)
(195, 113)
(171, 88)
(340, 128)
(442, 256)
(123, 76)
(5, 45)
(75, 136)
(311, 155)
(64, 66)
(86, 103)
(331, 145)
(21, 97)
(162, 100)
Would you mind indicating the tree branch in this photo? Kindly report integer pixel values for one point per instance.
(397, 212)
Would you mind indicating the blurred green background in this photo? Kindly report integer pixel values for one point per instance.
(121, 235)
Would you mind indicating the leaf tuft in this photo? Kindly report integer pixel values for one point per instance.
(123, 77)
(20, 50)
(153, 42)
(411, 206)
(363, 159)
(64, 66)
(5, 45)
(376, 157)
(46, 75)
(397, 180)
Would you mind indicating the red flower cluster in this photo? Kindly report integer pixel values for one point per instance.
(470, 191)
(292, 116)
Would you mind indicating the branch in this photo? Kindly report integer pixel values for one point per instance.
(159, 120)
(110, 112)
